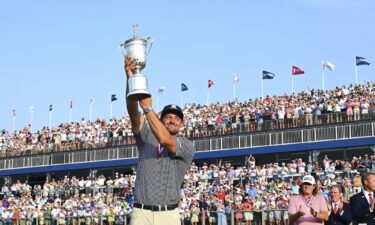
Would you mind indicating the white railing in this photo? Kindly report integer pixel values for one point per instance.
(238, 141)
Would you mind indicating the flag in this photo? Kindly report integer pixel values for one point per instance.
(184, 87)
(236, 79)
(113, 98)
(267, 75)
(14, 113)
(161, 90)
(210, 83)
(71, 104)
(50, 107)
(91, 100)
(328, 65)
(297, 71)
(31, 108)
(359, 61)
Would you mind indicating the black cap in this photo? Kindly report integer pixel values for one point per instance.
(172, 109)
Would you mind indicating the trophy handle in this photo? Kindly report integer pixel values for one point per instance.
(151, 41)
(122, 49)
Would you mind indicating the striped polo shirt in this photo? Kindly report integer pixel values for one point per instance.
(160, 175)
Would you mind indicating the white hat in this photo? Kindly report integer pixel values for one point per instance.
(308, 179)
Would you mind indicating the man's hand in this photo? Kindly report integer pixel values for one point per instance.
(129, 66)
(301, 212)
(312, 211)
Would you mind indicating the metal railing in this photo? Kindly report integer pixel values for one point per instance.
(43, 219)
(236, 141)
(231, 216)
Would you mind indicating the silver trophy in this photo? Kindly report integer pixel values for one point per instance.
(138, 49)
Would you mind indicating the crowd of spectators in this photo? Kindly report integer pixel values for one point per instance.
(315, 107)
(217, 193)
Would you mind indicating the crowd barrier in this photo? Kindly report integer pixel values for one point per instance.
(202, 217)
(244, 140)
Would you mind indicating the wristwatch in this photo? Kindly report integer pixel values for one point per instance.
(147, 110)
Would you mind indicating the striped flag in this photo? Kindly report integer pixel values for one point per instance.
(267, 75)
(161, 90)
(210, 83)
(236, 79)
(328, 65)
(359, 61)
(71, 104)
(184, 87)
(297, 71)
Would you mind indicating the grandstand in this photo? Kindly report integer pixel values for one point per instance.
(341, 118)
(291, 132)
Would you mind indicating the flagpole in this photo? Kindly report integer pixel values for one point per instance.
(323, 76)
(181, 100)
(292, 84)
(31, 120)
(70, 115)
(13, 123)
(110, 116)
(208, 96)
(90, 110)
(356, 73)
(50, 119)
(234, 91)
(262, 87)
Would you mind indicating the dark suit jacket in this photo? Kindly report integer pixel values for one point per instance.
(360, 209)
(344, 219)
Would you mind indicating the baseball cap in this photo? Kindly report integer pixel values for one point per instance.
(172, 109)
(308, 179)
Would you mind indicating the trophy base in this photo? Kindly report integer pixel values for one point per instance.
(138, 87)
(138, 95)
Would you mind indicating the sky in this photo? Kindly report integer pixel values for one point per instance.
(54, 52)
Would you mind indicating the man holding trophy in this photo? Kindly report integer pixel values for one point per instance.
(164, 157)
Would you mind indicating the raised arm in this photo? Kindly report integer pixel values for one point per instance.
(136, 118)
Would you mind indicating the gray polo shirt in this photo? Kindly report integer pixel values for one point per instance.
(159, 178)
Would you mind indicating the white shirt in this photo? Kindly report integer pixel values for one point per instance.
(367, 196)
(337, 206)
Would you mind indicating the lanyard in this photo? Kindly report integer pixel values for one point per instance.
(307, 201)
(159, 150)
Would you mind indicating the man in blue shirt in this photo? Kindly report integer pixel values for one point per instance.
(252, 191)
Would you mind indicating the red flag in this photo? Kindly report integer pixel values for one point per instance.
(14, 113)
(71, 104)
(297, 71)
(210, 83)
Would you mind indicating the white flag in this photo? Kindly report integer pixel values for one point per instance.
(328, 65)
(161, 90)
(31, 108)
(236, 79)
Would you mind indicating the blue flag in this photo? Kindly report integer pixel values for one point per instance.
(113, 98)
(267, 75)
(50, 107)
(184, 87)
(361, 61)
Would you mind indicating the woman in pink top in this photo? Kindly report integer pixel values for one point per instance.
(309, 207)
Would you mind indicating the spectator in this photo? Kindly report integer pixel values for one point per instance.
(309, 206)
